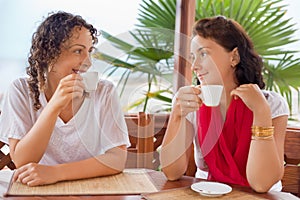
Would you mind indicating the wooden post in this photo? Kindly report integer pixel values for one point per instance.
(145, 144)
(185, 18)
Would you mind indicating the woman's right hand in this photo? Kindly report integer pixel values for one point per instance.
(69, 87)
(186, 101)
(33, 174)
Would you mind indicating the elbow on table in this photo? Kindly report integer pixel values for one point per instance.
(116, 167)
(116, 158)
(120, 165)
(171, 176)
(116, 171)
(262, 186)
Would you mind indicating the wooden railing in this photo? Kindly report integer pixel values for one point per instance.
(5, 159)
(146, 133)
(291, 178)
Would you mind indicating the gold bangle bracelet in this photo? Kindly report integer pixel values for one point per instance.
(259, 131)
(262, 138)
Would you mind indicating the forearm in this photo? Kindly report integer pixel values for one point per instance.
(176, 147)
(33, 145)
(264, 168)
(265, 165)
(112, 162)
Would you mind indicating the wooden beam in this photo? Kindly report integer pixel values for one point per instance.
(185, 18)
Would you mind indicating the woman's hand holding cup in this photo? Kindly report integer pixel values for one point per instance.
(190, 98)
(69, 87)
(186, 100)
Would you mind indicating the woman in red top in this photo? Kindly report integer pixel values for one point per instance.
(241, 141)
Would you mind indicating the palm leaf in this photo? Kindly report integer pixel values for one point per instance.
(160, 14)
(262, 19)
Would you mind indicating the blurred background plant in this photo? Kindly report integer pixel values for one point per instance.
(151, 51)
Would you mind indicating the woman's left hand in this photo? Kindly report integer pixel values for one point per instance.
(252, 96)
(34, 174)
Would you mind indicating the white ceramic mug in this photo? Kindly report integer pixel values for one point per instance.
(90, 80)
(211, 94)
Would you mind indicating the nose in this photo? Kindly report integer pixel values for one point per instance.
(195, 66)
(87, 62)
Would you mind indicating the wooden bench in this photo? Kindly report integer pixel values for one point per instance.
(291, 178)
(141, 133)
(5, 160)
(146, 133)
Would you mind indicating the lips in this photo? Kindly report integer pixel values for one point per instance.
(200, 76)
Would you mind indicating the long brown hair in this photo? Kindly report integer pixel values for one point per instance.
(46, 47)
(230, 34)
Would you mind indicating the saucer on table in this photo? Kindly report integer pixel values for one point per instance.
(211, 189)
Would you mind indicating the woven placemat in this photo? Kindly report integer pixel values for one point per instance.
(131, 181)
(188, 194)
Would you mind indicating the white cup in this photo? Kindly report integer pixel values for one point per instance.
(211, 94)
(90, 80)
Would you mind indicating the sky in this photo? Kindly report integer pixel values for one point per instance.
(19, 19)
(293, 12)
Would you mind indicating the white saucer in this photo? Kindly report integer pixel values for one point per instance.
(211, 189)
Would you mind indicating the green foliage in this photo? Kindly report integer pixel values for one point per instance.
(152, 53)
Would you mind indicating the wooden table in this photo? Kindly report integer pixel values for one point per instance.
(162, 184)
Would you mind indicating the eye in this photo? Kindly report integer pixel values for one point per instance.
(78, 51)
(203, 54)
(191, 57)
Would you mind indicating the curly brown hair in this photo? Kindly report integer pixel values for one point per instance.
(46, 47)
(230, 34)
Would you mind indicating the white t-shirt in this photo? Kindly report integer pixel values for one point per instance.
(98, 126)
(278, 108)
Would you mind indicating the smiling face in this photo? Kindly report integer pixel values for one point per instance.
(211, 62)
(75, 54)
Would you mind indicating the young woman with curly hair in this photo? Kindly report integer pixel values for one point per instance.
(55, 130)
